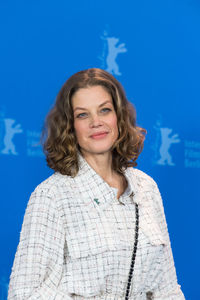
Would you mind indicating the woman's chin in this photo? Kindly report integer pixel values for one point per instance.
(96, 151)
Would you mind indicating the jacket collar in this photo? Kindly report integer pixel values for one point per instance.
(101, 187)
(136, 193)
(96, 188)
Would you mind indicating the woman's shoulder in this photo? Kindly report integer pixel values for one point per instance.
(142, 182)
(49, 193)
(52, 184)
(141, 177)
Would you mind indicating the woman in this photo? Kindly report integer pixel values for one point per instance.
(96, 228)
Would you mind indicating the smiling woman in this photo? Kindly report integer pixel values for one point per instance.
(95, 120)
(96, 228)
(76, 107)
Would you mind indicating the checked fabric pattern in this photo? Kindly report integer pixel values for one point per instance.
(77, 240)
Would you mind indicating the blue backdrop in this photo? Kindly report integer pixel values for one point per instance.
(152, 48)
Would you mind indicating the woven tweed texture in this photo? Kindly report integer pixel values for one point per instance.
(77, 241)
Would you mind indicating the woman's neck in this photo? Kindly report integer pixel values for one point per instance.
(101, 163)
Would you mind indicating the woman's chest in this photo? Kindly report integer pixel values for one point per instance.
(102, 240)
(93, 227)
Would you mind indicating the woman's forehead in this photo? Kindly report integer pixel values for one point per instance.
(95, 95)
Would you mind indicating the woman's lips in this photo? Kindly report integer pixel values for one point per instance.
(99, 135)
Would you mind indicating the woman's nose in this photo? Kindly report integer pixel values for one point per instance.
(95, 121)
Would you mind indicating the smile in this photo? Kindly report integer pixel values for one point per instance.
(99, 135)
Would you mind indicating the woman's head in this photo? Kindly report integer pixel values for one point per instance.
(75, 116)
(95, 121)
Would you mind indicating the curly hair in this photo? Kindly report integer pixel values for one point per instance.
(58, 135)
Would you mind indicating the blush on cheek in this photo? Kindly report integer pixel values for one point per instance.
(80, 128)
(114, 125)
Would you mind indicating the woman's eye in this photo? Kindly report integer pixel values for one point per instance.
(82, 115)
(106, 109)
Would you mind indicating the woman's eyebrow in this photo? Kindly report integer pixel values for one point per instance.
(102, 104)
(81, 108)
(108, 101)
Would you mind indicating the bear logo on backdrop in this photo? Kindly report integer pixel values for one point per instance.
(9, 129)
(111, 50)
(166, 142)
(163, 142)
(165, 139)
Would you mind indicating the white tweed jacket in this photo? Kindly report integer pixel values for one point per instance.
(77, 240)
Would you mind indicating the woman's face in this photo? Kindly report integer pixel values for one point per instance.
(95, 120)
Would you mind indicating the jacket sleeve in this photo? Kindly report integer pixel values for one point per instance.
(38, 263)
(167, 288)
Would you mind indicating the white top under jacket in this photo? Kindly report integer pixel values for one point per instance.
(77, 240)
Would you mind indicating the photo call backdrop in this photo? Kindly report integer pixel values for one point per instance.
(153, 49)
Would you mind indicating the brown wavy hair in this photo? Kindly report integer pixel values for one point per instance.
(58, 135)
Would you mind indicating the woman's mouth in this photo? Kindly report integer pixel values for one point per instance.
(99, 135)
